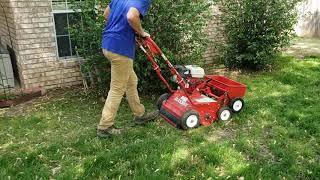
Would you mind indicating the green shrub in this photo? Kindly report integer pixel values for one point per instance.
(255, 31)
(175, 25)
(87, 34)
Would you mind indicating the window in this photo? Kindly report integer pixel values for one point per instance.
(63, 19)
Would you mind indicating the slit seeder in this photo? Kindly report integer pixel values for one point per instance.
(200, 99)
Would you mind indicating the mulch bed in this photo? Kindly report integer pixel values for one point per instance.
(27, 95)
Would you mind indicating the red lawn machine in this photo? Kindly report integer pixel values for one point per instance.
(200, 99)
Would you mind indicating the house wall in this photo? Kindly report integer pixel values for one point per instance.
(213, 31)
(32, 29)
(7, 26)
(309, 19)
(4, 32)
(36, 49)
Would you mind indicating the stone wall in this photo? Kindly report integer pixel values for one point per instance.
(35, 46)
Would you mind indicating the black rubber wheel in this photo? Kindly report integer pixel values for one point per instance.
(236, 105)
(162, 99)
(225, 114)
(190, 120)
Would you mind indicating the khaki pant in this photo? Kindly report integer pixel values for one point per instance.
(123, 80)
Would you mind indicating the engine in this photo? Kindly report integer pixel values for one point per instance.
(190, 71)
(192, 74)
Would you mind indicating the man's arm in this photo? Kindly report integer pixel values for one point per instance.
(133, 17)
(106, 13)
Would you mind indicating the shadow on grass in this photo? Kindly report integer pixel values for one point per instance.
(275, 136)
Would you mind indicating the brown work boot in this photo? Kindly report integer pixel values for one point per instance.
(109, 132)
(147, 117)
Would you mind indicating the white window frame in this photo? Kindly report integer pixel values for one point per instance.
(66, 11)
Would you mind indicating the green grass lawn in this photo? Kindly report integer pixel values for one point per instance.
(275, 137)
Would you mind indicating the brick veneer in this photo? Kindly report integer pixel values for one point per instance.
(32, 29)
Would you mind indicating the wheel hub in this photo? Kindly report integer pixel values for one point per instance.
(237, 106)
(192, 121)
(225, 115)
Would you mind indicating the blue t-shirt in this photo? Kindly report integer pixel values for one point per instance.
(118, 36)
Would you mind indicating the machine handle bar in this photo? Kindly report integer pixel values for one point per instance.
(151, 49)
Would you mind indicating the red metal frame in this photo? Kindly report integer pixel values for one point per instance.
(221, 89)
(151, 49)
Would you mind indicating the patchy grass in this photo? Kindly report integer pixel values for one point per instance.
(275, 137)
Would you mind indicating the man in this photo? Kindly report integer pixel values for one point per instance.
(123, 19)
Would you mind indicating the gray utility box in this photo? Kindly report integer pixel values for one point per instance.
(6, 72)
